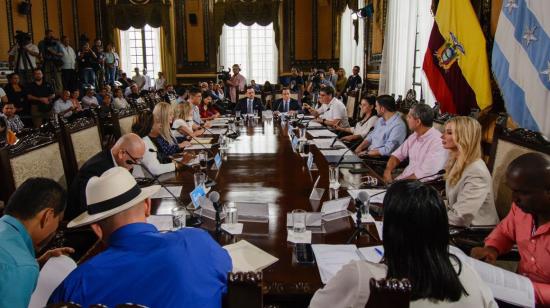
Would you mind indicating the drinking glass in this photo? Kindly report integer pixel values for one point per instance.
(200, 179)
(303, 133)
(306, 148)
(231, 215)
(333, 177)
(179, 214)
(203, 159)
(299, 221)
(365, 208)
(237, 114)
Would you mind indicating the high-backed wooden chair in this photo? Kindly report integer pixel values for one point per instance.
(82, 140)
(395, 293)
(351, 105)
(508, 145)
(244, 290)
(122, 122)
(39, 154)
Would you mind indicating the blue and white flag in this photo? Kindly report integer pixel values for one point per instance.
(521, 62)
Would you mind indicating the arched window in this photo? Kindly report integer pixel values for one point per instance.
(140, 48)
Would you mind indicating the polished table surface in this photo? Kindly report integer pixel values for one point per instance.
(262, 167)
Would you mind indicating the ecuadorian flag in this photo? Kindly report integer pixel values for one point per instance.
(521, 62)
(456, 63)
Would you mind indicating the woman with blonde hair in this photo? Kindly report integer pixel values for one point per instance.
(469, 186)
(166, 144)
(183, 122)
(341, 82)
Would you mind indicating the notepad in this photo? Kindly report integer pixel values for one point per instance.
(161, 222)
(248, 258)
(252, 211)
(163, 193)
(201, 140)
(51, 275)
(321, 133)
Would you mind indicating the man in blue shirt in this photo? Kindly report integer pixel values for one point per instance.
(389, 132)
(185, 268)
(31, 217)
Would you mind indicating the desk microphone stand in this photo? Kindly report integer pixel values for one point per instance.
(359, 227)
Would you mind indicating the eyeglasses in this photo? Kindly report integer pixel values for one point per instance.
(136, 160)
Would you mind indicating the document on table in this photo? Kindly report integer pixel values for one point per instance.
(321, 133)
(337, 152)
(161, 222)
(201, 140)
(162, 193)
(248, 258)
(506, 286)
(215, 131)
(376, 199)
(51, 275)
(252, 211)
(197, 147)
(315, 124)
(324, 143)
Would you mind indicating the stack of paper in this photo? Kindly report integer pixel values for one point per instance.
(163, 193)
(197, 147)
(248, 258)
(337, 152)
(201, 140)
(51, 275)
(321, 133)
(161, 222)
(325, 143)
(314, 124)
(252, 211)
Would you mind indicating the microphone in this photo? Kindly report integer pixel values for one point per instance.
(202, 126)
(150, 150)
(156, 179)
(214, 197)
(349, 149)
(202, 145)
(438, 173)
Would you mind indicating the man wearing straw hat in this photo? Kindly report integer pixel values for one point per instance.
(185, 268)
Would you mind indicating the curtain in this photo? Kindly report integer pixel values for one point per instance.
(404, 19)
(167, 61)
(351, 50)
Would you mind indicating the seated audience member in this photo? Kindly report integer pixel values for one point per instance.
(166, 144)
(184, 268)
(41, 94)
(332, 111)
(363, 127)
(30, 220)
(250, 103)
(124, 81)
(106, 107)
(341, 82)
(416, 239)
(132, 92)
(286, 104)
(7, 136)
(183, 123)
(89, 100)
(207, 110)
(145, 126)
(423, 148)
(128, 148)
(75, 95)
(468, 183)
(119, 102)
(16, 93)
(13, 121)
(217, 92)
(63, 106)
(527, 225)
(389, 132)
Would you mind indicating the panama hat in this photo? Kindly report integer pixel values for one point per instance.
(114, 191)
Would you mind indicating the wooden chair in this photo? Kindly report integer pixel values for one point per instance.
(507, 146)
(82, 140)
(244, 290)
(122, 122)
(39, 154)
(395, 293)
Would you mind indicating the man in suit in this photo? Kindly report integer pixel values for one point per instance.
(286, 104)
(250, 103)
(129, 148)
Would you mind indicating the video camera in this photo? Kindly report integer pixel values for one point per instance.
(224, 75)
(22, 38)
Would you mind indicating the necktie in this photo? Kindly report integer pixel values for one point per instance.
(286, 106)
(249, 107)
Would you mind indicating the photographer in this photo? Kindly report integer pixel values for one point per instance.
(52, 57)
(86, 60)
(236, 83)
(23, 55)
(318, 82)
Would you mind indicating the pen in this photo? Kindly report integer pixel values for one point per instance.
(379, 252)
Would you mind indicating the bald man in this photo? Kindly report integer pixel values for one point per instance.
(129, 148)
(527, 224)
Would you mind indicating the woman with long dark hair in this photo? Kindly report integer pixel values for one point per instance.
(416, 239)
(363, 127)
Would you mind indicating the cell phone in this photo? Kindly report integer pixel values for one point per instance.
(358, 171)
(304, 254)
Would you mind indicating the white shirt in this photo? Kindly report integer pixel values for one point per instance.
(160, 83)
(14, 52)
(88, 102)
(334, 110)
(60, 106)
(151, 161)
(350, 288)
(147, 83)
(2, 92)
(363, 128)
(139, 80)
(69, 58)
(179, 123)
(120, 103)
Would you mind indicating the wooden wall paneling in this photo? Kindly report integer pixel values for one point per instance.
(67, 21)
(19, 20)
(76, 27)
(325, 27)
(303, 38)
(38, 21)
(195, 33)
(86, 18)
(6, 37)
(53, 12)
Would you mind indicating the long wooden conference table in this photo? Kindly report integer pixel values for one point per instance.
(261, 166)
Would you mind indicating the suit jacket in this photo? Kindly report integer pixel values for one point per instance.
(292, 105)
(95, 166)
(256, 104)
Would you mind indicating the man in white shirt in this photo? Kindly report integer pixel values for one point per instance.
(89, 100)
(138, 78)
(147, 84)
(26, 63)
(68, 69)
(63, 105)
(332, 111)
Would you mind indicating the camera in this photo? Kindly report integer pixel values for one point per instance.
(22, 38)
(224, 75)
